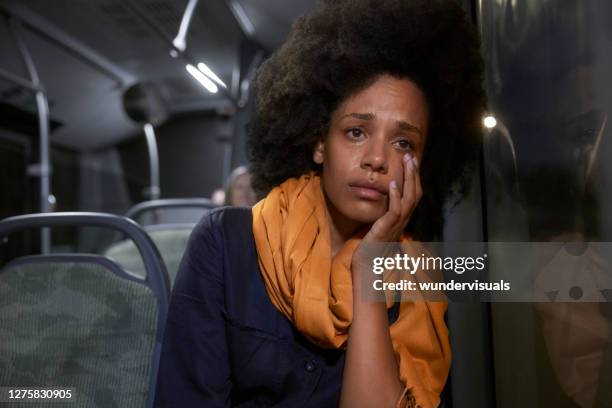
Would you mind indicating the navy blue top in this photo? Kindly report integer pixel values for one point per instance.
(226, 344)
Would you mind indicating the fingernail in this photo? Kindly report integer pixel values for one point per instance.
(393, 184)
(409, 161)
(415, 161)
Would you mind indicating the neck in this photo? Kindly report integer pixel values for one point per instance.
(341, 228)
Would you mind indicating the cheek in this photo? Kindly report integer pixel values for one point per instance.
(349, 163)
(396, 172)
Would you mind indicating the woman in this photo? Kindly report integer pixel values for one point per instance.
(367, 119)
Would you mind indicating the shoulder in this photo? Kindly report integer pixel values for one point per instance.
(222, 231)
(223, 222)
(217, 239)
(224, 218)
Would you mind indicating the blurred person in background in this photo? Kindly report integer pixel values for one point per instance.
(239, 191)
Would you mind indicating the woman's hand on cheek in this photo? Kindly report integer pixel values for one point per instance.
(402, 203)
(390, 226)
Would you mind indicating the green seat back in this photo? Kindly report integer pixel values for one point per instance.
(171, 244)
(79, 324)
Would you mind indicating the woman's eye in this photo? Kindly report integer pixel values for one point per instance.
(403, 144)
(355, 133)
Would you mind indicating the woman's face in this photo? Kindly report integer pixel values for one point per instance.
(369, 134)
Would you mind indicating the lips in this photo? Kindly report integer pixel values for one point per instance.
(369, 190)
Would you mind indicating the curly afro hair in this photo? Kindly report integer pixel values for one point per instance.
(341, 48)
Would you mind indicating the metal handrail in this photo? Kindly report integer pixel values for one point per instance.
(145, 206)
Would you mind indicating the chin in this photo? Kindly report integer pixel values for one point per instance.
(365, 212)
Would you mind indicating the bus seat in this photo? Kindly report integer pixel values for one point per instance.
(169, 223)
(80, 321)
(170, 211)
(171, 241)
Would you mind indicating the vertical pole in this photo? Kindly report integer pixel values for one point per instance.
(228, 150)
(42, 107)
(45, 167)
(154, 190)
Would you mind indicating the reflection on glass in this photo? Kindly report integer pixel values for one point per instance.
(549, 85)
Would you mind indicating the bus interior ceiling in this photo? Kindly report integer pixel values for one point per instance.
(88, 53)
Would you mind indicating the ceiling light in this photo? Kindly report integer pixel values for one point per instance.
(201, 78)
(204, 68)
(489, 121)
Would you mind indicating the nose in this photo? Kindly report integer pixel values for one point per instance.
(375, 156)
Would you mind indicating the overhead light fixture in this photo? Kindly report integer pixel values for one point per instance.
(201, 78)
(208, 72)
(489, 121)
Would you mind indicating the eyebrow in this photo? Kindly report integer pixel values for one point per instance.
(370, 116)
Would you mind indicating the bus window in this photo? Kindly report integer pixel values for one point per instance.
(550, 93)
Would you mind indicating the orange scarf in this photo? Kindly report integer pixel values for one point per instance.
(315, 291)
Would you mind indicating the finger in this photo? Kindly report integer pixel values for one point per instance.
(382, 229)
(395, 202)
(408, 195)
(417, 182)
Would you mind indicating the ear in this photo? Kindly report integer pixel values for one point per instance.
(317, 154)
